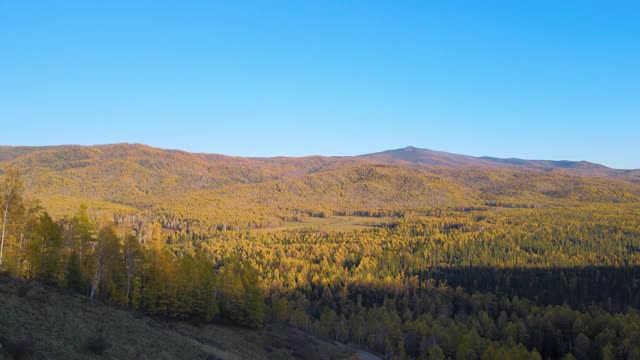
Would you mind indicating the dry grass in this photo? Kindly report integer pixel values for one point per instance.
(52, 324)
(334, 223)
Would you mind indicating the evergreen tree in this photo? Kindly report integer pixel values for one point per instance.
(74, 278)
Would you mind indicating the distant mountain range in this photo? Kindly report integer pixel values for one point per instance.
(409, 154)
(130, 178)
(428, 157)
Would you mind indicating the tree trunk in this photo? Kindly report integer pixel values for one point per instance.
(129, 268)
(4, 225)
(128, 288)
(98, 275)
(20, 255)
(96, 282)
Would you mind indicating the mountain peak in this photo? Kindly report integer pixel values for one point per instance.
(427, 157)
(406, 155)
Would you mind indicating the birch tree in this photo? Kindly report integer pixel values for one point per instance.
(11, 195)
(107, 251)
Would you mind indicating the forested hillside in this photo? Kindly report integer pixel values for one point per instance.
(185, 188)
(411, 253)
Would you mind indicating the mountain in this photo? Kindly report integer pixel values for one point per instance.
(428, 157)
(262, 192)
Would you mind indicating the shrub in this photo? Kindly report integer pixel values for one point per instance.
(97, 344)
(23, 290)
(21, 349)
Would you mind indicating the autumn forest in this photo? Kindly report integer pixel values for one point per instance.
(409, 253)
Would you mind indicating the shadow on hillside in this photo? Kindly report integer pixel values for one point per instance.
(614, 288)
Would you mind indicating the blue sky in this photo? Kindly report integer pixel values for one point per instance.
(536, 79)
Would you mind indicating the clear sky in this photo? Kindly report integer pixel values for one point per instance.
(530, 79)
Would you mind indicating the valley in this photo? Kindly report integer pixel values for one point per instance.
(403, 254)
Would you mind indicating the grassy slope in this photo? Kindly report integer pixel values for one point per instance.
(334, 223)
(60, 325)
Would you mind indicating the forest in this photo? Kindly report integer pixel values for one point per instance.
(485, 281)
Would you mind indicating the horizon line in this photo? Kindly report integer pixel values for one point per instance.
(408, 147)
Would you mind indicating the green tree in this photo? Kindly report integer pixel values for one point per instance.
(436, 353)
(84, 233)
(582, 346)
(132, 252)
(74, 279)
(254, 306)
(107, 268)
(45, 250)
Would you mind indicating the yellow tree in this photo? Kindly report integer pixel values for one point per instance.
(107, 255)
(10, 196)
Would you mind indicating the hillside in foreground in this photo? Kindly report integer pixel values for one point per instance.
(41, 322)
